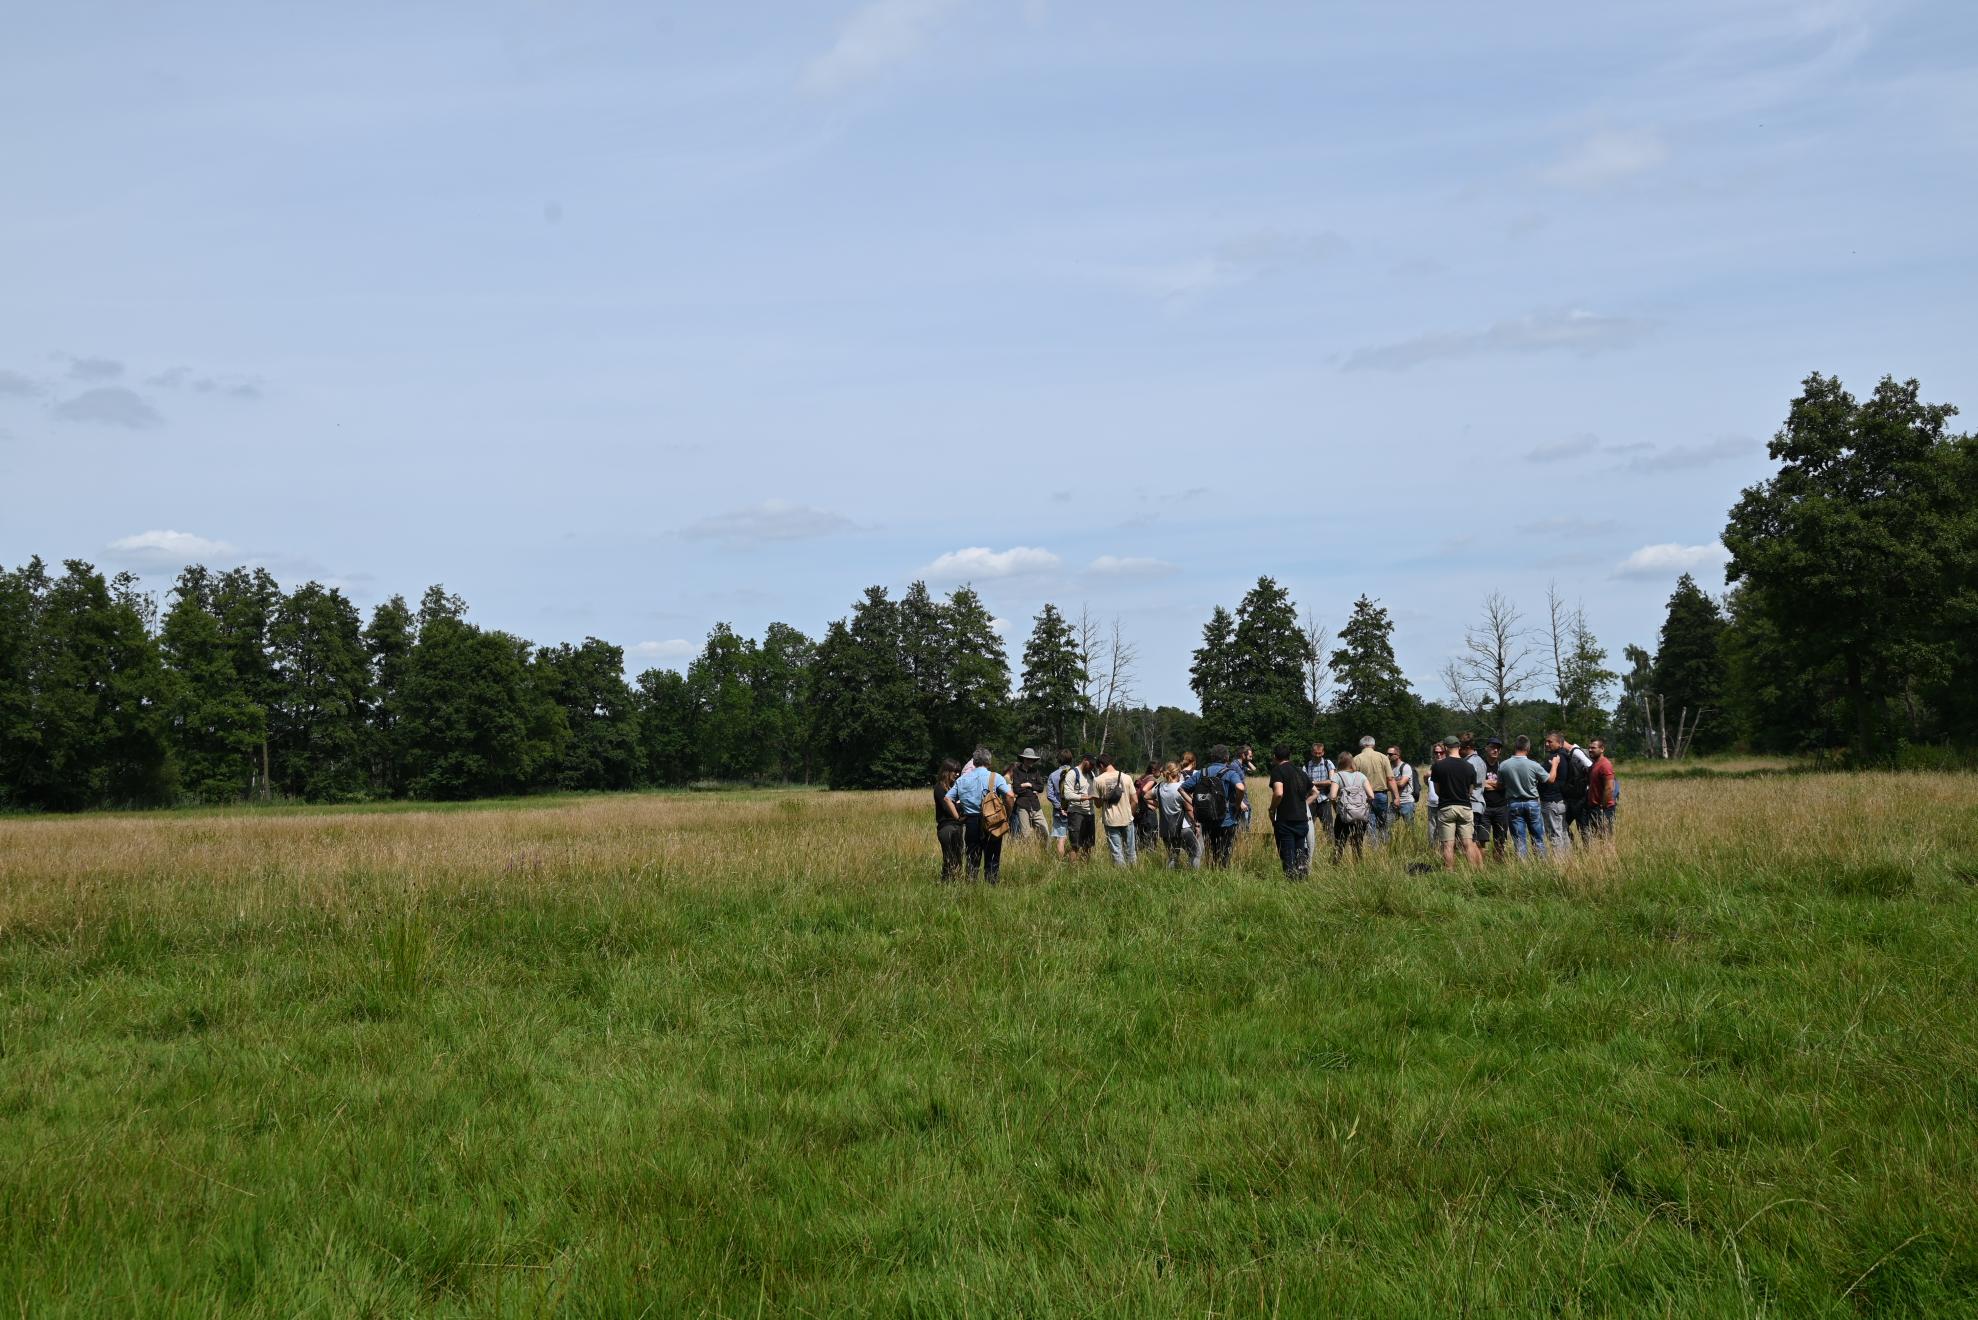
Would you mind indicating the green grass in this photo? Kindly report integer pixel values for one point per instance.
(759, 1063)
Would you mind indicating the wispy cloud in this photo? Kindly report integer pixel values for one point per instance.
(979, 561)
(1115, 566)
(877, 36)
(1669, 560)
(95, 368)
(170, 549)
(772, 520)
(1541, 332)
(1242, 259)
(14, 384)
(110, 405)
(1606, 157)
(1672, 458)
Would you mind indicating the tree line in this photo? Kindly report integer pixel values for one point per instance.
(1854, 599)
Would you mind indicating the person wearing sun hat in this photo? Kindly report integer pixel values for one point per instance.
(1027, 779)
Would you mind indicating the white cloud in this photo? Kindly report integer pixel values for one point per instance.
(1130, 567)
(1678, 457)
(1606, 157)
(111, 405)
(667, 653)
(1670, 560)
(772, 520)
(1238, 261)
(1547, 331)
(169, 549)
(998, 626)
(878, 35)
(979, 561)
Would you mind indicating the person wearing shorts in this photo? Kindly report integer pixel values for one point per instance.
(1455, 820)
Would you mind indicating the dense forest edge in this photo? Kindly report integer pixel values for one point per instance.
(1844, 638)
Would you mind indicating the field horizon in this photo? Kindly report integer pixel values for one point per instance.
(739, 1053)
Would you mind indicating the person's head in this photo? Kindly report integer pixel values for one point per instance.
(1466, 742)
(1248, 751)
(1394, 755)
(1452, 746)
(950, 767)
(1085, 765)
(1522, 745)
(1103, 761)
(1493, 751)
(1280, 753)
(1318, 751)
(1554, 741)
(1598, 746)
(982, 756)
(1436, 751)
(1344, 762)
(1366, 742)
(1188, 760)
(1171, 773)
(1065, 756)
(1219, 754)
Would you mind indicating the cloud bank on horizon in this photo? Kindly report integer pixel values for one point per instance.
(621, 327)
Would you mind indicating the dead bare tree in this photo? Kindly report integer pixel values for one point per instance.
(1089, 642)
(1318, 674)
(1495, 667)
(1121, 658)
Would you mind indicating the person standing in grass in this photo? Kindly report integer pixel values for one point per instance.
(1372, 763)
(1027, 780)
(1291, 813)
(1177, 816)
(949, 830)
(1563, 788)
(1218, 792)
(1599, 815)
(1118, 802)
(1147, 818)
(1451, 780)
(982, 843)
(1401, 776)
(1521, 776)
(1318, 769)
(1352, 808)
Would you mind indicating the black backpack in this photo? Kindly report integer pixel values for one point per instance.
(1211, 802)
(1574, 776)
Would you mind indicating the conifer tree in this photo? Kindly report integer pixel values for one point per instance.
(1213, 677)
(1268, 669)
(1053, 680)
(1373, 697)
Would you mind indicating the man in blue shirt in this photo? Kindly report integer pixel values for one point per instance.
(1202, 785)
(985, 850)
(1520, 777)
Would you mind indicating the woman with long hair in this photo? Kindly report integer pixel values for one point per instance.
(948, 829)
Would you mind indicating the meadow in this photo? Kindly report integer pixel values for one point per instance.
(740, 1054)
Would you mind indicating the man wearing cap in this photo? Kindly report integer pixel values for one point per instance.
(1027, 780)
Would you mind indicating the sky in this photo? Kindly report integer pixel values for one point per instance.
(622, 319)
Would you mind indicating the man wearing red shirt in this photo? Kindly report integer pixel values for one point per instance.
(1600, 790)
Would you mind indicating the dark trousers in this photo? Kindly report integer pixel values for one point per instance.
(1346, 831)
(1221, 839)
(1292, 841)
(951, 834)
(1493, 828)
(985, 851)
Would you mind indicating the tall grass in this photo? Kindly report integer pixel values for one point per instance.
(739, 1055)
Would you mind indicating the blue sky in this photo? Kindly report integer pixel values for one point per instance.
(622, 319)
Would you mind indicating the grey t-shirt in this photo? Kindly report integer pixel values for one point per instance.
(1520, 775)
(1478, 764)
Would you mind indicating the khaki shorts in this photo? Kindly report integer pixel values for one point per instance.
(1454, 825)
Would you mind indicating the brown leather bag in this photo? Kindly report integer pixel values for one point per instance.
(995, 816)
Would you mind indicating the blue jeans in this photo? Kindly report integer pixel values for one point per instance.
(1120, 843)
(1377, 821)
(1405, 810)
(1527, 821)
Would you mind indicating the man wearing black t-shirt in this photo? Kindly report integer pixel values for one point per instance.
(1454, 778)
(1291, 813)
(1027, 779)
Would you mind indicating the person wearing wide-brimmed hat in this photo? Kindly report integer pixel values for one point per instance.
(1027, 779)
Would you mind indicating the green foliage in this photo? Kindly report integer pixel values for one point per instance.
(666, 728)
(1864, 545)
(388, 642)
(977, 705)
(1689, 663)
(1213, 678)
(1372, 696)
(1267, 698)
(588, 685)
(477, 721)
(781, 680)
(870, 729)
(322, 683)
(214, 728)
(719, 682)
(1054, 681)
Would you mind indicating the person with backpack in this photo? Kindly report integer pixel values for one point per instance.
(1147, 818)
(1060, 813)
(1563, 789)
(1113, 796)
(1217, 790)
(1318, 769)
(1077, 791)
(985, 800)
(1027, 778)
(1291, 813)
(1177, 816)
(1401, 775)
(1352, 808)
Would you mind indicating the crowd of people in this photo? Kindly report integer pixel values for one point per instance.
(1477, 802)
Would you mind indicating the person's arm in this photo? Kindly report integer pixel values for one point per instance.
(948, 801)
